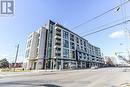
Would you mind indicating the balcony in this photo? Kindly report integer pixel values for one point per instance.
(58, 42)
(57, 55)
(57, 36)
(58, 33)
(58, 28)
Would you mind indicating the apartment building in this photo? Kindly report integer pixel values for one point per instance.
(35, 49)
(56, 47)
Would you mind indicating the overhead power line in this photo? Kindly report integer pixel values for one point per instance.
(116, 7)
(99, 27)
(106, 28)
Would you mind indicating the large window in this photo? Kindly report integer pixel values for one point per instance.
(77, 39)
(72, 54)
(66, 43)
(72, 45)
(50, 37)
(65, 34)
(65, 53)
(71, 37)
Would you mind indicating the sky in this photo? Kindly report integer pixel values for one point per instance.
(32, 14)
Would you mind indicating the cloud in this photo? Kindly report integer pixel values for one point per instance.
(117, 34)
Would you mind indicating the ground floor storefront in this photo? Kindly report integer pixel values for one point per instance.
(69, 64)
(60, 64)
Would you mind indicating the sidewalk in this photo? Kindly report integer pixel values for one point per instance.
(39, 72)
(7, 74)
(29, 73)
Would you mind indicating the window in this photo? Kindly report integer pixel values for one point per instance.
(90, 51)
(81, 47)
(80, 55)
(65, 34)
(49, 52)
(72, 46)
(93, 59)
(84, 55)
(51, 26)
(72, 54)
(71, 37)
(84, 43)
(57, 54)
(57, 49)
(81, 42)
(77, 39)
(50, 38)
(29, 43)
(85, 49)
(65, 53)
(77, 47)
(90, 47)
(27, 53)
(66, 43)
(87, 57)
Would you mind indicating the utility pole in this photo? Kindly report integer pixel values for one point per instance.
(16, 56)
(128, 45)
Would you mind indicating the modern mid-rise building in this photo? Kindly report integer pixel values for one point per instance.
(35, 49)
(56, 47)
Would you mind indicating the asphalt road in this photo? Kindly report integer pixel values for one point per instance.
(105, 77)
